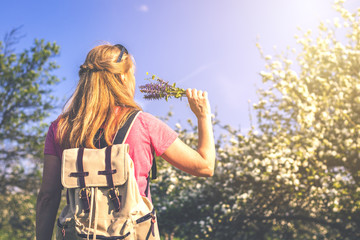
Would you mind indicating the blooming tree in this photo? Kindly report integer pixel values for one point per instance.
(296, 174)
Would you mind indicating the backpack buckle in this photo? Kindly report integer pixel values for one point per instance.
(113, 193)
(87, 193)
(115, 197)
(84, 195)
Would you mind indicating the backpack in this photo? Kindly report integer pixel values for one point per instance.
(103, 197)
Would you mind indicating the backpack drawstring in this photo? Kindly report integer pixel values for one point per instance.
(91, 212)
(95, 216)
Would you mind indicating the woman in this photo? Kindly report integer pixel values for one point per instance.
(103, 99)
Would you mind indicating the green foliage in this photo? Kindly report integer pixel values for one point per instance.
(25, 100)
(17, 219)
(296, 174)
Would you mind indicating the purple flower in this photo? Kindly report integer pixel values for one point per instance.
(153, 90)
(161, 89)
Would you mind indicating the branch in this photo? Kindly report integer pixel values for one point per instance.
(11, 39)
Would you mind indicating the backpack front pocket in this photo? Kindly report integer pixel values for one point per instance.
(66, 231)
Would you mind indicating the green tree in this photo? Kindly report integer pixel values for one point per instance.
(296, 174)
(25, 101)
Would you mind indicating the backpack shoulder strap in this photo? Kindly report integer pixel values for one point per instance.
(125, 129)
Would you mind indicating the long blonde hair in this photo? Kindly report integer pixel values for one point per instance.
(104, 85)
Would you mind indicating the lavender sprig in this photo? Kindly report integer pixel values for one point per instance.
(161, 89)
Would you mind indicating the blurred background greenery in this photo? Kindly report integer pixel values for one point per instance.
(294, 175)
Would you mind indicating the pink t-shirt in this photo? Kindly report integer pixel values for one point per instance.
(148, 134)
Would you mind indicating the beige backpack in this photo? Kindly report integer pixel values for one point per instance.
(104, 201)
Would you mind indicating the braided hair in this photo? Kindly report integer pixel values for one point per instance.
(105, 86)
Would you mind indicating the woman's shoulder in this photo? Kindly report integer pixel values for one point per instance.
(152, 123)
(148, 119)
(54, 123)
(146, 116)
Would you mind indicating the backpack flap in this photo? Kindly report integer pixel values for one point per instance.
(93, 166)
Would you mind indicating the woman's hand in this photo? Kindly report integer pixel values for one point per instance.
(199, 103)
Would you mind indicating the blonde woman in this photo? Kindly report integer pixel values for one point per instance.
(101, 103)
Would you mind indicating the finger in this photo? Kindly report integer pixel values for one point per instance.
(194, 92)
(188, 92)
(205, 94)
(200, 93)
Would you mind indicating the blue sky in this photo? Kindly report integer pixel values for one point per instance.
(203, 44)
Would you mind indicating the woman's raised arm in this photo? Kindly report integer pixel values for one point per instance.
(202, 161)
